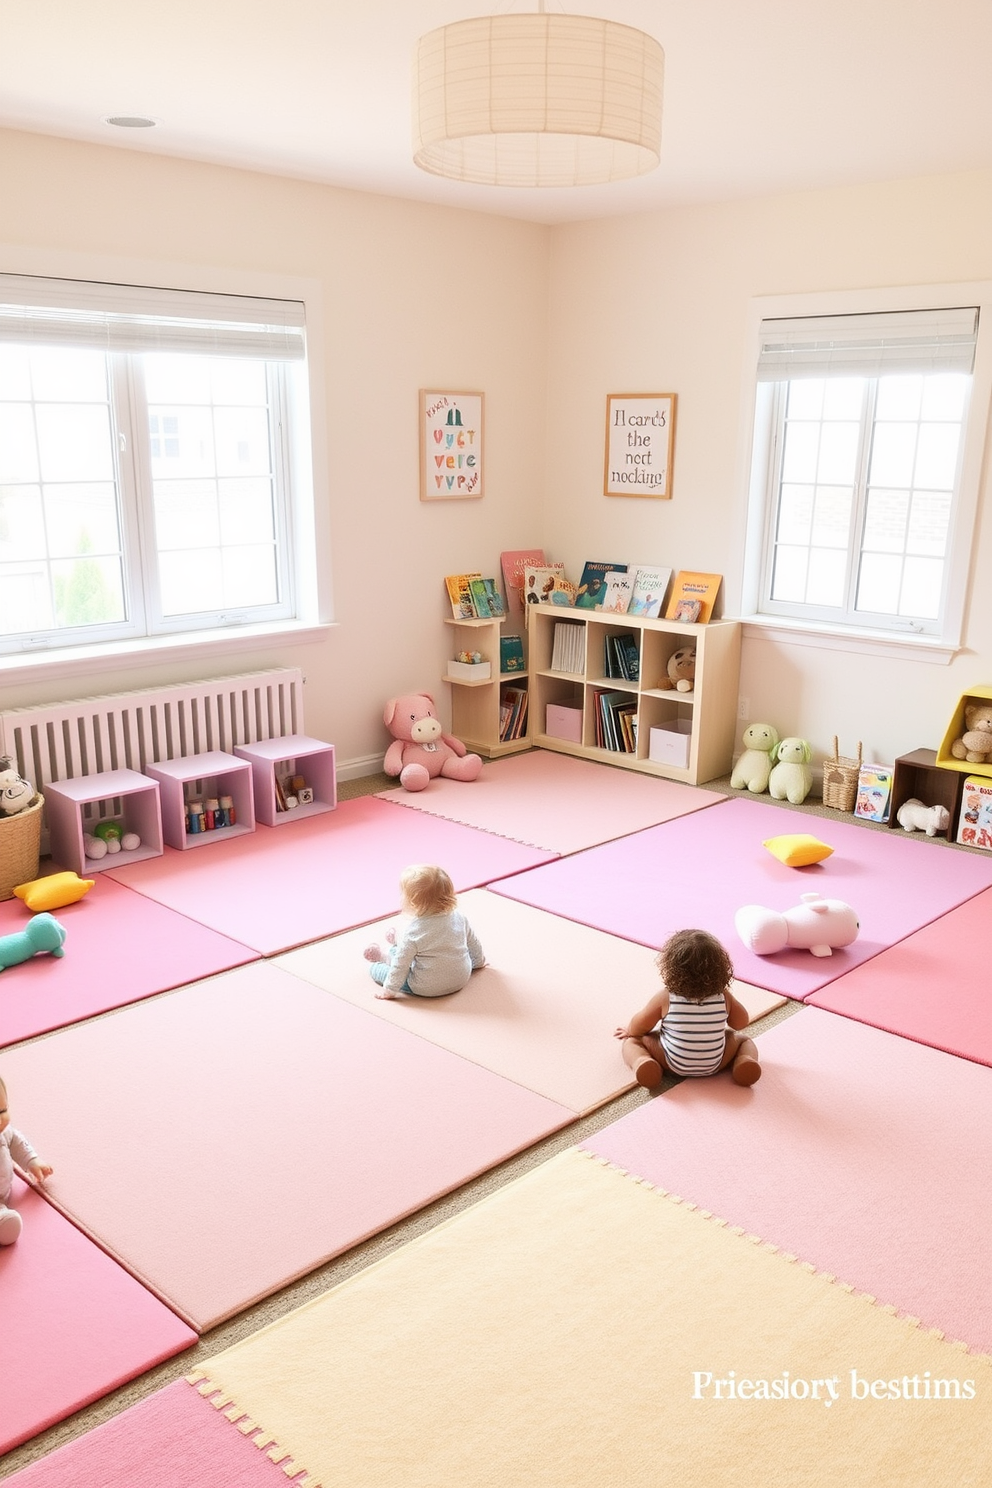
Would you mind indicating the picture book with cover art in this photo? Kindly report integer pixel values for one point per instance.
(486, 598)
(873, 799)
(512, 565)
(547, 584)
(616, 596)
(592, 585)
(650, 588)
(699, 587)
(459, 587)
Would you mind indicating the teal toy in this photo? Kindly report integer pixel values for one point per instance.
(42, 934)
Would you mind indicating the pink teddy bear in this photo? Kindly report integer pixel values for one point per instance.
(420, 749)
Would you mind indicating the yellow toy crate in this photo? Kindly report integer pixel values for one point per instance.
(956, 728)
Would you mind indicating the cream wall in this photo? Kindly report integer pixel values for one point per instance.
(409, 296)
(659, 303)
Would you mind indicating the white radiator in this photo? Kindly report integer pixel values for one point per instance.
(128, 730)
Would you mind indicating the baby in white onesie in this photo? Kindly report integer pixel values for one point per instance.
(435, 950)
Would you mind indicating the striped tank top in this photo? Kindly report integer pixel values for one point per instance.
(693, 1034)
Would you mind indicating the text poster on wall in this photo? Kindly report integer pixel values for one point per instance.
(451, 455)
(640, 443)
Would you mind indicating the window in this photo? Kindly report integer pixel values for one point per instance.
(860, 519)
(146, 461)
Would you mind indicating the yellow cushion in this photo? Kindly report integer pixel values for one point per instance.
(53, 892)
(798, 849)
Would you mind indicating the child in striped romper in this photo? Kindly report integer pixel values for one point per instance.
(436, 949)
(691, 1026)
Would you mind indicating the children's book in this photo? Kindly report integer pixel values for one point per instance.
(650, 588)
(592, 585)
(874, 796)
(700, 587)
(459, 587)
(486, 598)
(512, 565)
(547, 584)
(511, 654)
(617, 593)
(687, 610)
(975, 821)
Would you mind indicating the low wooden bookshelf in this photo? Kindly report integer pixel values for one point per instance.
(698, 726)
(475, 704)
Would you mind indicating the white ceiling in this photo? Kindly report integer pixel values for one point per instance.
(761, 96)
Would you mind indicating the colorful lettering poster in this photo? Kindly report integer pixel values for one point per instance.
(451, 441)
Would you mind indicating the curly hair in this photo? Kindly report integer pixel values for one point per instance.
(695, 965)
(427, 889)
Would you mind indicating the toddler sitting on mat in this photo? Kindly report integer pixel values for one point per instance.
(684, 1028)
(14, 1148)
(436, 950)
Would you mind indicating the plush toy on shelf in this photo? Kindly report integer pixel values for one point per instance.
(421, 749)
(791, 778)
(913, 816)
(760, 741)
(681, 671)
(816, 925)
(16, 793)
(975, 744)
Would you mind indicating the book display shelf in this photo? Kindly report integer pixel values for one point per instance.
(686, 736)
(478, 704)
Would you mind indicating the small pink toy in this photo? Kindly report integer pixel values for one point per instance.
(817, 925)
(420, 749)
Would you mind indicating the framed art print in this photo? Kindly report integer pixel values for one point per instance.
(451, 445)
(640, 444)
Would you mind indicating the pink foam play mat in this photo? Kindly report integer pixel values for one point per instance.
(699, 870)
(258, 1128)
(174, 1439)
(930, 987)
(556, 802)
(75, 1325)
(861, 1153)
(119, 948)
(541, 1012)
(283, 886)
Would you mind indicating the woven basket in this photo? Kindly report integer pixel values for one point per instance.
(20, 847)
(840, 780)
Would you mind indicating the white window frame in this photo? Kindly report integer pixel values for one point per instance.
(756, 454)
(306, 450)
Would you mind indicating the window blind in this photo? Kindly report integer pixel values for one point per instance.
(137, 318)
(868, 345)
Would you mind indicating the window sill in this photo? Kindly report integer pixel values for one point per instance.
(836, 638)
(69, 661)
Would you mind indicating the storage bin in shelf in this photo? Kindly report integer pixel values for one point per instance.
(75, 806)
(203, 777)
(282, 758)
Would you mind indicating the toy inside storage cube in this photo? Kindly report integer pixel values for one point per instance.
(75, 807)
(982, 697)
(276, 763)
(203, 778)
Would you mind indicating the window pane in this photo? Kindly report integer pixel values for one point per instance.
(189, 581)
(944, 396)
(802, 443)
(235, 381)
(937, 456)
(15, 374)
(25, 598)
(82, 519)
(886, 520)
(176, 379)
(186, 515)
(242, 441)
(844, 398)
(832, 516)
(246, 511)
(922, 578)
(892, 451)
(878, 586)
(838, 453)
(789, 577)
(929, 524)
(827, 576)
(22, 526)
(18, 448)
(805, 398)
(249, 576)
(182, 441)
(74, 442)
(59, 375)
(899, 397)
(795, 514)
(87, 591)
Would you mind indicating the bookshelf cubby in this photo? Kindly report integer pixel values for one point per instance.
(699, 726)
(475, 705)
